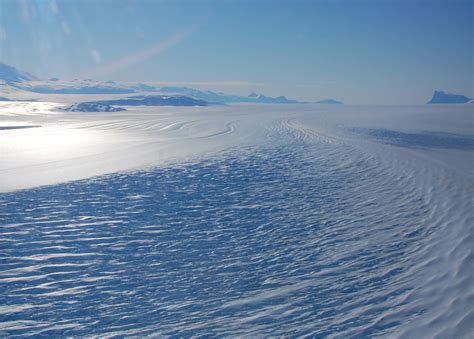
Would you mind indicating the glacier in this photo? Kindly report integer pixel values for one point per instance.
(237, 220)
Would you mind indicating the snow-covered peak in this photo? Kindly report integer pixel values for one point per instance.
(11, 74)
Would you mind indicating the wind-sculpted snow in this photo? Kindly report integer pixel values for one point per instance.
(420, 140)
(292, 226)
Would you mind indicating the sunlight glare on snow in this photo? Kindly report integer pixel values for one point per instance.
(44, 143)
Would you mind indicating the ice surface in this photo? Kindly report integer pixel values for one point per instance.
(237, 220)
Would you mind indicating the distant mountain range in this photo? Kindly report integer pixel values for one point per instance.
(88, 87)
(330, 102)
(75, 88)
(163, 95)
(155, 100)
(27, 82)
(221, 98)
(441, 97)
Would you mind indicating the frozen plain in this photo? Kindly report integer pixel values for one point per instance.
(248, 220)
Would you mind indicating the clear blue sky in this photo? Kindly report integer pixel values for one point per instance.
(373, 52)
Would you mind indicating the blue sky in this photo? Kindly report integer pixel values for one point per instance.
(361, 52)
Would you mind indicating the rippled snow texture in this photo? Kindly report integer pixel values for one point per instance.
(309, 234)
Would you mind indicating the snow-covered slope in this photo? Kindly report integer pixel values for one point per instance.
(10, 74)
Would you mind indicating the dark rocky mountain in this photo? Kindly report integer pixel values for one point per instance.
(92, 107)
(441, 97)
